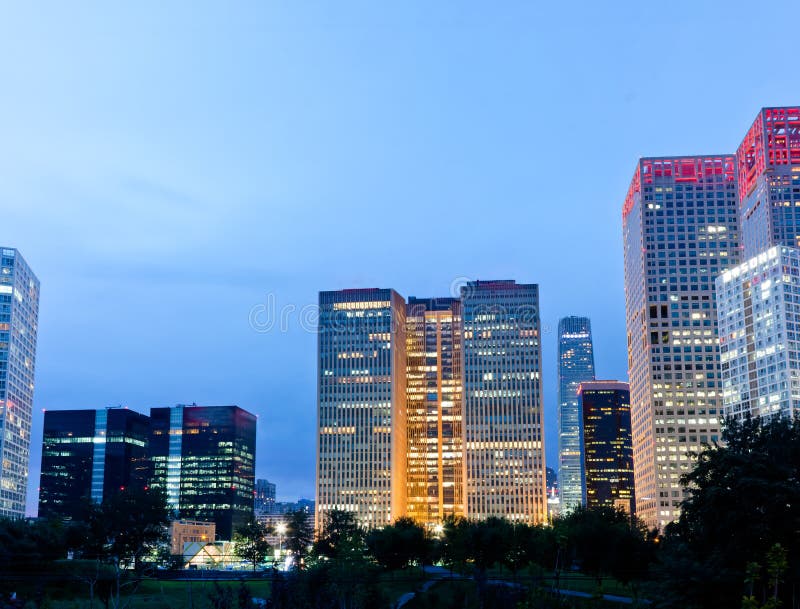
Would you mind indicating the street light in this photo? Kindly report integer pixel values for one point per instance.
(281, 530)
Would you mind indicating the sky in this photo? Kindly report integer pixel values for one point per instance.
(173, 170)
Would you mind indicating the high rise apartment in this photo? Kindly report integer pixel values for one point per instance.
(204, 458)
(361, 443)
(435, 467)
(90, 455)
(768, 163)
(606, 445)
(575, 365)
(503, 407)
(19, 314)
(680, 231)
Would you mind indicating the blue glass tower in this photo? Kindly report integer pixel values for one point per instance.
(575, 366)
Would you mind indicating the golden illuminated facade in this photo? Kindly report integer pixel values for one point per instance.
(680, 231)
(435, 474)
(503, 406)
(361, 445)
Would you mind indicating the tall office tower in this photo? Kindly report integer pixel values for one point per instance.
(361, 446)
(758, 305)
(575, 365)
(264, 497)
(607, 445)
(90, 455)
(503, 407)
(204, 456)
(680, 230)
(19, 314)
(768, 162)
(435, 467)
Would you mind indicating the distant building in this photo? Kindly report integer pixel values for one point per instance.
(19, 314)
(552, 482)
(768, 164)
(553, 499)
(680, 231)
(182, 532)
(204, 456)
(606, 445)
(503, 407)
(361, 443)
(90, 455)
(575, 365)
(435, 467)
(264, 500)
(758, 304)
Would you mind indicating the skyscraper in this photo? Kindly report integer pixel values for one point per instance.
(204, 458)
(19, 314)
(758, 305)
(361, 444)
(503, 408)
(575, 365)
(606, 445)
(90, 455)
(435, 469)
(768, 163)
(680, 231)
(264, 499)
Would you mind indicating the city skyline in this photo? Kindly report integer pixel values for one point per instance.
(162, 193)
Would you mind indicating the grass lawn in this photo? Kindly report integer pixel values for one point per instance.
(463, 594)
(396, 583)
(158, 594)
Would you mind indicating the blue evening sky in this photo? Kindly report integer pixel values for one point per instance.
(166, 167)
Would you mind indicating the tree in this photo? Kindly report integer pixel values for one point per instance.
(744, 497)
(136, 521)
(339, 536)
(605, 541)
(299, 536)
(250, 542)
(397, 545)
(455, 541)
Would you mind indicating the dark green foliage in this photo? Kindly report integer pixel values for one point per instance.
(340, 537)
(744, 499)
(250, 542)
(399, 545)
(299, 536)
(605, 542)
(327, 585)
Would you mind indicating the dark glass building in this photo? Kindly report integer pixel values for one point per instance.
(204, 458)
(607, 445)
(90, 455)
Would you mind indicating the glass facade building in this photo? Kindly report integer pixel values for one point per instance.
(768, 164)
(759, 328)
(264, 499)
(204, 458)
(89, 455)
(607, 445)
(575, 365)
(361, 441)
(680, 231)
(435, 467)
(19, 314)
(503, 408)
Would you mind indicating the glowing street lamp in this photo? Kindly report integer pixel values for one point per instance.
(281, 530)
